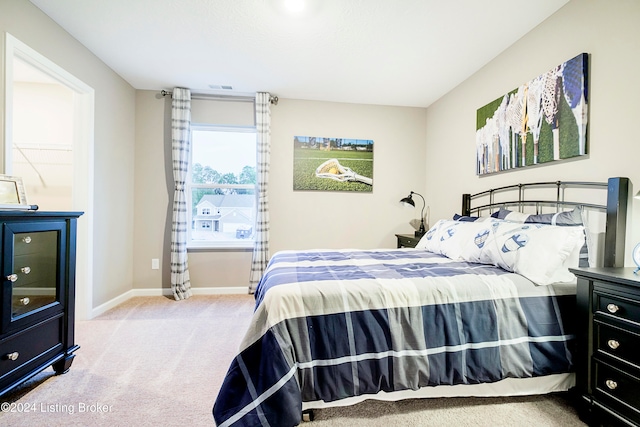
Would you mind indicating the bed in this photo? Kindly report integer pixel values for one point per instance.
(451, 317)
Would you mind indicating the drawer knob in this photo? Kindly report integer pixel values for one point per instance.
(13, 356)
(13, 277)
(27, 239)
(26, 270)
(613, 344)
(25, 301)
(611, 384)
(612, 308)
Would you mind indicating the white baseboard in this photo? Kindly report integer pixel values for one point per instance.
(97, 311)
(229, 290)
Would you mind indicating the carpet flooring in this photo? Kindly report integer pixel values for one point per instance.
(153, 361)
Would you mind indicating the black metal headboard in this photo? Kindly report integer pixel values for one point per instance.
(615, 208)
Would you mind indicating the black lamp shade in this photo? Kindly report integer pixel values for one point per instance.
(409, 200)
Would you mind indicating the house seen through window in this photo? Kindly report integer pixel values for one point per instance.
(222, 186)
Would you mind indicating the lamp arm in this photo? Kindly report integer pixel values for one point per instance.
(424, 203)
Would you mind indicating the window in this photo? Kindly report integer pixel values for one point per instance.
(222, 186)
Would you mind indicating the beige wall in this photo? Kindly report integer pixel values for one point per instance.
(298, 219)
(316, 219)
(610, 33)
(152, 184)
(113, 138)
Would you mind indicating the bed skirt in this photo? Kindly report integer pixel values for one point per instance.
(507, 387)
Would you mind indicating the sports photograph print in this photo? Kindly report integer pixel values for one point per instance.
(543, 120)
(332, 164)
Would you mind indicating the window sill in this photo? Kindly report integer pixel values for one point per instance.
(241, 246)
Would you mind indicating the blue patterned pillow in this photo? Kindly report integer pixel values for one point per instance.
(540, 252)
(567, 218)
(543, 253)
(457, 217)
(443, 238)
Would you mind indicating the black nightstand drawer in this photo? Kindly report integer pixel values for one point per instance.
(617, 306)
(407, 240)
(613, 341)
(617, 390)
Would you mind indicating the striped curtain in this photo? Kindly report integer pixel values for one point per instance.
(180, 147)
(261, 245)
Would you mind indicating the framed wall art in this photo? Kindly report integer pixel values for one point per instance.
(541, 121)
(332, 164)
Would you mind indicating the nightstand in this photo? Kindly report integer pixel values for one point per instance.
(407, 240)
(607, 360)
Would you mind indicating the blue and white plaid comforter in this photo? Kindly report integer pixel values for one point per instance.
(329, 325)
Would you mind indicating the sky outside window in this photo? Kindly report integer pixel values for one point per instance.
(224, 152)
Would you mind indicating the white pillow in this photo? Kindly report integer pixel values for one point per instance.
(573, 261)
(455, 239)
(443, 238)
(542, 253)
(536, 251)
(576, 216)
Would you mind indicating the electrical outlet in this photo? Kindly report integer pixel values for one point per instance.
(155, 263)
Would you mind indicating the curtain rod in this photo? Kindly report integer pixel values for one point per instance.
(272, 99)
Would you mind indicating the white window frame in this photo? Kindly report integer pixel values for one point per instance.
(199, 244)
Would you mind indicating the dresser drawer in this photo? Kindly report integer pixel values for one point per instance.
(618, 306)
(35, 242)
(617, 342)
(24, 304)
(29, 347)
(617, 390)
(34, 268)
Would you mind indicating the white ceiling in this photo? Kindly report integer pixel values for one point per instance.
(391, 52)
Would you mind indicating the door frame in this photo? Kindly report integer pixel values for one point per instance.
(83, 157)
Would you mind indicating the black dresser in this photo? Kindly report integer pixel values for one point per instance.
(37, 301)
(608, 356)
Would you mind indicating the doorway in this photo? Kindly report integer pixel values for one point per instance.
(48, 142)
(41, 150)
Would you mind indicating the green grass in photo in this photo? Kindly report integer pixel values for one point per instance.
(306, 161)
